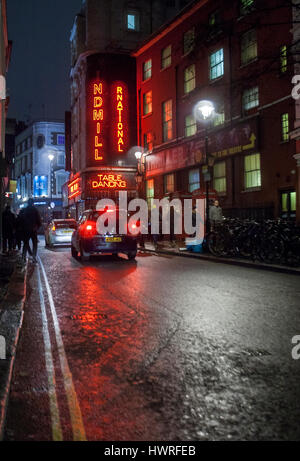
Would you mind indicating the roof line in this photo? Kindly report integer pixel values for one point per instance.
(165, 29)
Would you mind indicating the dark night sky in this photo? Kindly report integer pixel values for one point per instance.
(39, 70)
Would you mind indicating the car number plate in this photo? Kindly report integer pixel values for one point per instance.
(113, 239)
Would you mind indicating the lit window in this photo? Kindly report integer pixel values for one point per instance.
(132, 21)
(147, 103)
(190, 125)
(150, 191)
(283, 59)
(219, 118)
(166, 57)
(250, 98)
(214, 19)
(246, 6)
(188, 41)
(248, 46)
(252, 171)
(148, 141)
(194, 180)
(293, 201)
(147, 69)
(61, 140)
(167, 120)
(189, 79)
(216, 64)
(220, 177)
(169, 183)
(285, 127)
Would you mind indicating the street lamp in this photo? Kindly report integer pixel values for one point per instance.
(204, 111)
(51, 158)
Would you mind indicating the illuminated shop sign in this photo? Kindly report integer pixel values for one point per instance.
(40, 186)
(98, 118)
(109, 181)
(74, 189)
(120, 117)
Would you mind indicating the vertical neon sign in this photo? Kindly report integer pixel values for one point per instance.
(120, 117)
(98, 117)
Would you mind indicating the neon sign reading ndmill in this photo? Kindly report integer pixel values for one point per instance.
(98, 116)
(109, 181)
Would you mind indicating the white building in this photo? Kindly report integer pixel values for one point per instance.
(40, 166)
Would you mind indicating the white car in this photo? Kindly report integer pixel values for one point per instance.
(59, 232)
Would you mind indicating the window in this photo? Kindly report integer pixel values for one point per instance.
(283, 59)
(166, 57)
(216, 64)
(220, 177)
(150, 191)
(248, 47)
(252, 171)
(148, 141)
(147, 103)
(169, 183)
(147, 69)
(167, 120)
(214, 18)
(284, 127)
(60, 180)
(190, 125)
(61, 160)
(219, 118)
(133, 21)
(250, 98)
(246, 6)
(189, 79)
(60, 140)
(288, 204)
(188, 41)
(194, 180)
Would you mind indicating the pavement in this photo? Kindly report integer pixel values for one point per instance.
(179, 249)
(12, 299)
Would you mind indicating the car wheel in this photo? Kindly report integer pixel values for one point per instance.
(74, 252)
(84, 256)
(131, 255)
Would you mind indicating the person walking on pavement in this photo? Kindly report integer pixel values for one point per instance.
(215, 214)
(8, 229)
(19, 230)
(31, 222)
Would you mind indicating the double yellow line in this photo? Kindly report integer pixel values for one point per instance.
(72, 400)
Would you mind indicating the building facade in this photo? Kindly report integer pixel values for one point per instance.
(238, 56)
(103, 97)
(37, 175)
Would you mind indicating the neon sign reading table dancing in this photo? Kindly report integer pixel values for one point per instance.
(109, 181)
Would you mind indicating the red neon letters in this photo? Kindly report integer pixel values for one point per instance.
(120, 127)
(109, 181)
(74, 188)
(98, 116)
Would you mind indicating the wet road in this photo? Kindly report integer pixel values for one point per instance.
(164, 348)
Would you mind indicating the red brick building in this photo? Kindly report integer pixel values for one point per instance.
(239, 55)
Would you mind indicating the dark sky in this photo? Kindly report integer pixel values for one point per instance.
(39, 71)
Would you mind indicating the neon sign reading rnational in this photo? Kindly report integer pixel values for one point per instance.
(98, 117)
(120, 117)
(109, 181)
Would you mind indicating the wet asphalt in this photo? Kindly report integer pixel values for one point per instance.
(164, 348)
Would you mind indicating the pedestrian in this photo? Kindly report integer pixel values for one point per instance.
(19, 230)
(8, 229)
(215, 214)
(31, 222)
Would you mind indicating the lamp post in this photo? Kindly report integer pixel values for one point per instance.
(139, 156)
(51, 158)
(204, 111)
